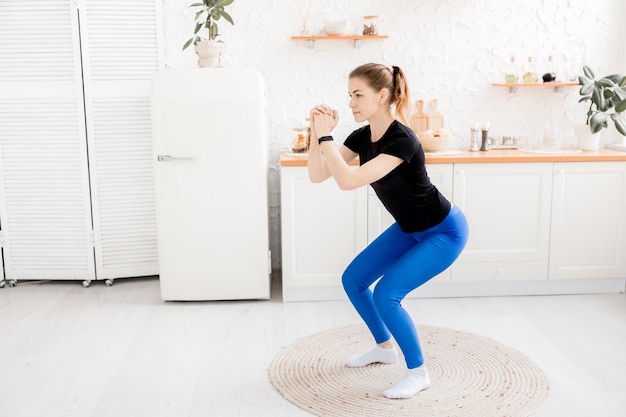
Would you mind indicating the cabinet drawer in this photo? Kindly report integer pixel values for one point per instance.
(499, 271)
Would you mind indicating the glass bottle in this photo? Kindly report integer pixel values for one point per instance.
(484, 145)
(551, 74)
(475, 137)
(510, 76)
(530, 75)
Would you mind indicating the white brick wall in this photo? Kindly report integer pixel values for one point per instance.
(450, 49)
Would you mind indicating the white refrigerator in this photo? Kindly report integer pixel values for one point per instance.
(210, 156)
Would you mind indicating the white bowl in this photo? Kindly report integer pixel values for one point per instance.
(337, 29)
(434, 143)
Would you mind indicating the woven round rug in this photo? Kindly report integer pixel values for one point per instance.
(471, 375)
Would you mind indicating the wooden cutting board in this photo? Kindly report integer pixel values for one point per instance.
(435, 119)
(419, 121)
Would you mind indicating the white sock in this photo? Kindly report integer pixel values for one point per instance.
(414, 381)
(376, 355)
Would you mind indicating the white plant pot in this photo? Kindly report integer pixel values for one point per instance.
(210, 53)
(586, 140)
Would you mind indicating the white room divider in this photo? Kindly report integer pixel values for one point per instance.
(76, 188)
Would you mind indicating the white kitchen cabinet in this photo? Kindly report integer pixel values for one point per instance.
(508, 210)
(588, 235)
(534, 228)
(379, 219)
(323, 229)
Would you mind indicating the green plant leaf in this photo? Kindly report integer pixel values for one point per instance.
(608, 93)
(215, 14)
(187, 44)
(588, 72)
(605, 82)
(623, 82)
(214, 32)
(584, 99)
(598, 99)
(620, 123)
(610, 103)
(597, 121)
(616, 78)
(225, 3)
(198, 27)
(196, 4)
(586, 89)
(620, 93)
(621, 106)
(582, 80)
(228, 18)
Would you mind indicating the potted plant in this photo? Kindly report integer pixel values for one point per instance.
(209, 49)
(607, 100)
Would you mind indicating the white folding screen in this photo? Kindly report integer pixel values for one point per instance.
(75, 140)
(120, 41)
(44, 182)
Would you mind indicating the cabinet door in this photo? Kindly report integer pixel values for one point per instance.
(379, 219)
(508, 211)
(45, 210)
(588, 220)
(121, 54)
(323, 229)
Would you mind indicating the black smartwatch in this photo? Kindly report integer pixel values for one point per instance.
(324, 139)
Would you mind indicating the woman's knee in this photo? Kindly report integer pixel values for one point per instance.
(384, 297)
(349, 279)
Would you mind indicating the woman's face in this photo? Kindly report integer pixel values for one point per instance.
(364, 101)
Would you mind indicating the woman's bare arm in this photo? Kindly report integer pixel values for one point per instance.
(348, 178)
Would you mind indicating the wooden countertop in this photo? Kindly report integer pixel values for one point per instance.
(492, 156)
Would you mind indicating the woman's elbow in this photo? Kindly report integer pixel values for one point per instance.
(316, 178)
(347, 185)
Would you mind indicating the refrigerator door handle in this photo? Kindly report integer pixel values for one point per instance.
(166, 158)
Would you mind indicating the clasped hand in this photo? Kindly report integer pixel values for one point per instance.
(324, 120)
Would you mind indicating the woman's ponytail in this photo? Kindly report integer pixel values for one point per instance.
(401, 96)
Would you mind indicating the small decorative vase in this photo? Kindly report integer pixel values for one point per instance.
(586, 140)
(210, 53)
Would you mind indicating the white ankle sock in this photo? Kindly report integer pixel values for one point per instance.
(376, 355)
(414, 381)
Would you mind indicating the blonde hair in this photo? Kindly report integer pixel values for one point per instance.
(392, 79)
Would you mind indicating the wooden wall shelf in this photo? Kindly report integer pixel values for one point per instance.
(356, 38)
(556, 85)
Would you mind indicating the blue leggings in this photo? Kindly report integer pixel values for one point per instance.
(404, 261)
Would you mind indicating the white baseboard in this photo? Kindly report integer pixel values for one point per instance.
(475, 289)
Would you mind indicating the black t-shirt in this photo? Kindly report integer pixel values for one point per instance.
(406, 192)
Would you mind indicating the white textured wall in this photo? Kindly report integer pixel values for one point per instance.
(451, 50)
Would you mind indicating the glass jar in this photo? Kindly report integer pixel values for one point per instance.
(370, 25)
(300, 142)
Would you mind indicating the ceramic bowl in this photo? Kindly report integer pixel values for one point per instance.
(337, 28)
(433, 143)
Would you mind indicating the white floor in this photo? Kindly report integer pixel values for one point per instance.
(120, 351)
